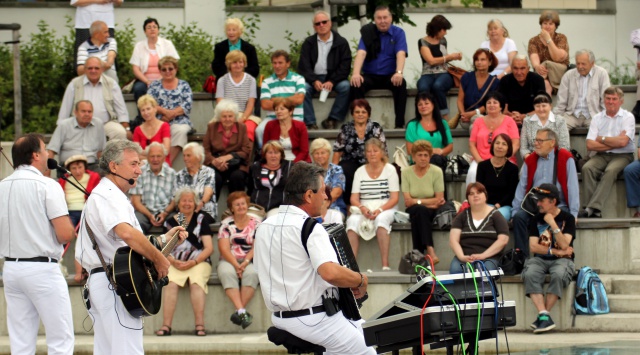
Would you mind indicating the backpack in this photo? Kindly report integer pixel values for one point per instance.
(591, 295)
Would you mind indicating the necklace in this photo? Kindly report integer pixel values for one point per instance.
(498, 170)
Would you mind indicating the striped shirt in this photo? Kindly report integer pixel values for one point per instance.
(273, 87)
(88, 49)
(156, 190)
(239, 93)
(378, 189)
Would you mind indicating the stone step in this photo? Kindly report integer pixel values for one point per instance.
(624, 303)
(626, 285)
(612, 322)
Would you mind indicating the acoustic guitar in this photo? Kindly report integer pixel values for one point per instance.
(136, 277)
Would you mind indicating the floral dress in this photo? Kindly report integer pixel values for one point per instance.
(181, 96)
(335, 178)
(352, 147)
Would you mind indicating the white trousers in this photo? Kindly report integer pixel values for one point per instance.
(37, 291)
(114, 130)
(337, 334)
(115, 330)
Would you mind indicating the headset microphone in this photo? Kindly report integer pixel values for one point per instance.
(130, 181)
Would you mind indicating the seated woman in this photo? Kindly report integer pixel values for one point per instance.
(328, 214)
(543, 118)
(423, 190)
(375, 196)
(292, 134)
(239, 87)
(199, 177)
(435, 78)
(268, 177)
(503, 47)
(348, 149)
(174, 99)
(475, 85)
(235, 270)
(152, 129)
(479, 233)
(430, 126)
(334, 178)
(227, 147)
(549, 51)
(486, 128)
(190, 262)
(499, 175)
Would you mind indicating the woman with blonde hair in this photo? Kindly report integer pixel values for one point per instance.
(334, 178)
(233, 28)
(503, 47)
(153, 129)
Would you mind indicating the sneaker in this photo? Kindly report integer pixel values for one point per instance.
(246, 319)
(583, 214)
(545, 324)
(236, 318)
(535, 324)
(596, 214)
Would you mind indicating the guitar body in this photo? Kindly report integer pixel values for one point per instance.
(137, 281)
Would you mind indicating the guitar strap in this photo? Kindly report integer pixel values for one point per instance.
(107, 270)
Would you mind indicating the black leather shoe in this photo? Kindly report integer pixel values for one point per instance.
(312, 126)
(328, 124)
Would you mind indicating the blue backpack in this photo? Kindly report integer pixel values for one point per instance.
(591, 296)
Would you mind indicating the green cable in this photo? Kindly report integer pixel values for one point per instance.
(475, 284)
(455, 304)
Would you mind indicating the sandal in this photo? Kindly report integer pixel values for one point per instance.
(164, 331)
(200, 332)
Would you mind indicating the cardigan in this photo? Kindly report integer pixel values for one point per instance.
(298, 135)
(239, 144)
(220, 51)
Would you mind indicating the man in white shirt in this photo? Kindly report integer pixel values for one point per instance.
(295, 282)
(35, 224)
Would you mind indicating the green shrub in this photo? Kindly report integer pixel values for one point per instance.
(126, 42)
(6, 93)
(196, 52)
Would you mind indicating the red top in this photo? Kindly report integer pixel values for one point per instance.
(144, 141)
(298, 134)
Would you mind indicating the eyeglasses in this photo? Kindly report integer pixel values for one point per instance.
(490, 140)
(167, 69)
(540, 141)
(152, 27)
(324, 22)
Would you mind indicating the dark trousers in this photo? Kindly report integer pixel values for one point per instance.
(383, 82)
(421, 226)
(349, 168)
(236, 178)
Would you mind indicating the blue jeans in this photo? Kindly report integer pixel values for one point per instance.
(632, 183)
(438, 85)
(340, 105)
(505, 211)
(456, 266)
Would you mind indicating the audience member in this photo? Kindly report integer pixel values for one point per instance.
(503, 47)
(611, 135)
(105, 95)
(499, 175)
(430, 126)
(325, 63)
(539, 168)
(291, 134)
(632, 184)
(519, 88)
(435, 78)
(542, 118)
(282, 83)
(580, 96)
(190, 262)
(99, 45)
(551, 235)
(549, 51)
(199, 177)
(174, 99)
(328, 214)
(334, 178)
(636, 108)
(227, 148)
(79, 135)
(89, 11)
(268, 177)
(348, 149)
(151, 197)
(234, 28)
(239, 87)
(374, 200)
(146, 55)
(235, 269)
(152, 129)
(479, 233)
(423, 190)
(475, 85)
(80, 176)
(486, 128)
(379, 63)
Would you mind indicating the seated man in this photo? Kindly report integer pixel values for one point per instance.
(379, 61)
(538, 169)
(520, 88)
(79, 135)
(325, 63)
(611, 136)
(551, 235)
(105, 95)
(580, 91)
(153, 193)
(101, 46)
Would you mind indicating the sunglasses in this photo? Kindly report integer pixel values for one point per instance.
(167, 69)
(317, 24)
(490, 140)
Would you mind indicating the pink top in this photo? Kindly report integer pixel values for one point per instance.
(144, 141)
(480, 135)
(153, 72)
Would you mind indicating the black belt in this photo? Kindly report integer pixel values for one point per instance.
(300, 313)
(96, 270)
(37, 259)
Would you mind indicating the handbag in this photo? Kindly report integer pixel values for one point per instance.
(400, 157)
(456, 74)
(457, 165)
(512, 262)
(209, 84)
(529, 203)
(128, 87)
(409, 261)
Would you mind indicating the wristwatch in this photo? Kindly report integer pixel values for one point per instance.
(419, 201)
(399, 72)
(603, 137)
(556, 231)
(548, 41)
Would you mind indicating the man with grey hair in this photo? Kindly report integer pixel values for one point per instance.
(99, 45)
(519, 88)
(580, 95)
(325, 63)
(112, 220)
(611, 135)
(294, 282)
(153, 193)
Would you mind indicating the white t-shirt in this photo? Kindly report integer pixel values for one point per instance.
(502, 55)
(86, 15)
(376, 190)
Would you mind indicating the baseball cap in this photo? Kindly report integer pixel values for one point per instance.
(547, 190)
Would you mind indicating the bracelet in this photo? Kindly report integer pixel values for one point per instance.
(361, 280)
(380, 209)
(196, 260)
